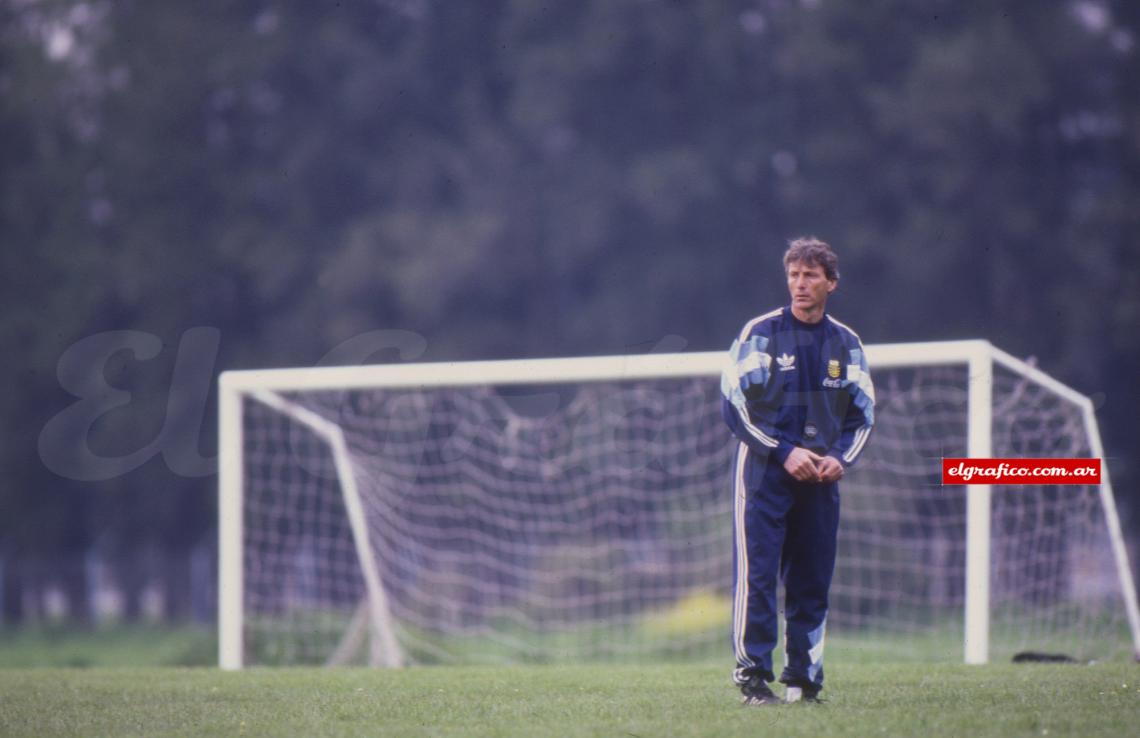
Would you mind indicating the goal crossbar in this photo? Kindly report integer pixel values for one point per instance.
(552, 371)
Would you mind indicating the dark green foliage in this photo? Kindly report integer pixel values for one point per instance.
(517, 179)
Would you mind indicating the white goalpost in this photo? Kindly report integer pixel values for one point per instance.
(570, 509)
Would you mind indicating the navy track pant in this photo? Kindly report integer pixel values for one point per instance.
(783, 529)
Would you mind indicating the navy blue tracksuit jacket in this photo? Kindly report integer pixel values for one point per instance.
(788, 383)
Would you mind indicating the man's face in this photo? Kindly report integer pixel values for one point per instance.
(808, 285)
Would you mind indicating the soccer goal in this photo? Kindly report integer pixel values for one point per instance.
(580, 509)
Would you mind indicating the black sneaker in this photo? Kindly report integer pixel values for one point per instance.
(757, 692)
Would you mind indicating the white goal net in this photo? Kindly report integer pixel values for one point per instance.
(581, 509)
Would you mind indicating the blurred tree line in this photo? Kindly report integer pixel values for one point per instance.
(506, 178)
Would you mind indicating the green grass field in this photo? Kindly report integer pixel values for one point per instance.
(64, 645)
(158, 681)
(584, 700)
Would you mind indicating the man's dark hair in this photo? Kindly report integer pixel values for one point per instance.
(810, 250)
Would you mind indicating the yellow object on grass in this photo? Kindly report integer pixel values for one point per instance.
(698, 612)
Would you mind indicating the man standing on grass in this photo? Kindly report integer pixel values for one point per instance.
(798, 396)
